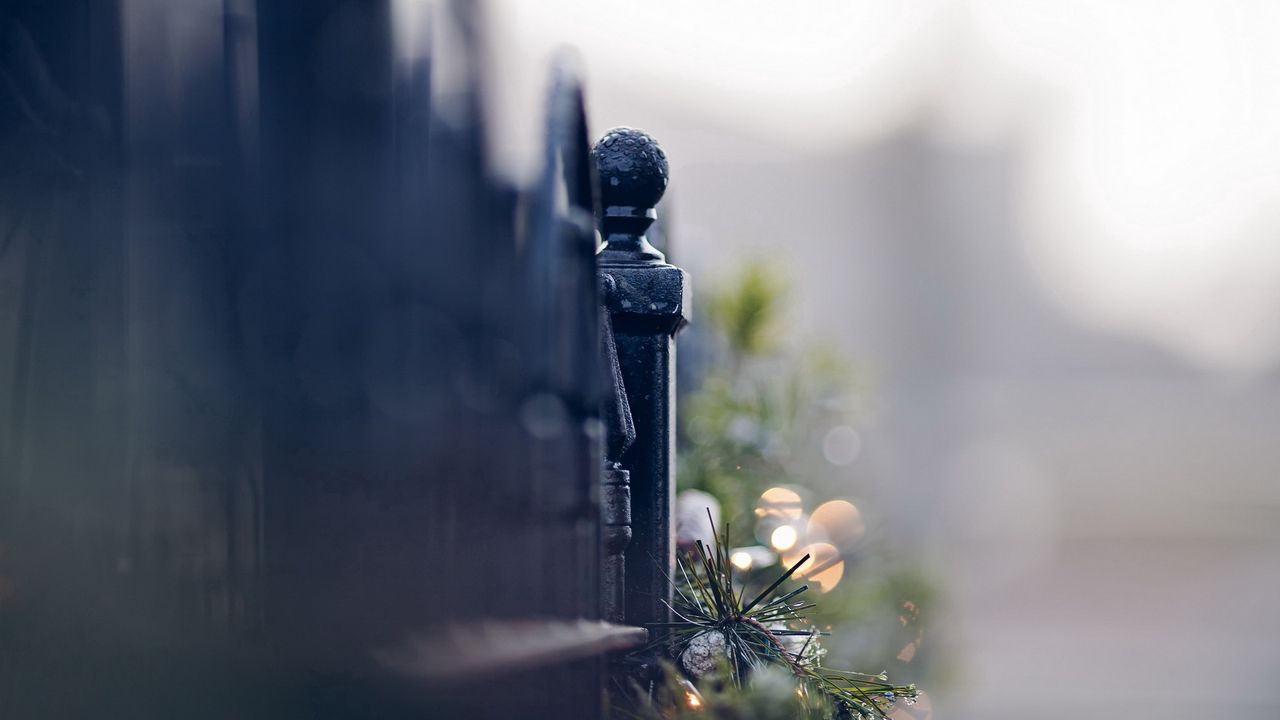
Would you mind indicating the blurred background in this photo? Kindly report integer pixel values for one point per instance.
(985, 314)
(1046, 236)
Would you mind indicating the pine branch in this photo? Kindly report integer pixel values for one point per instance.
(755, 633)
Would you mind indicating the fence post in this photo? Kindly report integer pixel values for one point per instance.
(615, 484)
(648, 302)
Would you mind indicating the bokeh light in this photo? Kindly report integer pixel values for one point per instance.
(841, 445)
(824, 569)
(838, 522)
(784, 537)
(752, 557)
(781, 503)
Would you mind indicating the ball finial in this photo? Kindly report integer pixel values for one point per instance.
(633, 175)
(632, 168)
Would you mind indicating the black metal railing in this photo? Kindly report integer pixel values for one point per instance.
(648, 302)
(305, 412)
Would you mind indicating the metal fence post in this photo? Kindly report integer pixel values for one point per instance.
(615, 485)
(649, 303)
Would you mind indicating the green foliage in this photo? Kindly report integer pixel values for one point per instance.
(765, 632)
(762, 409)
(748, 311)
(756, 419)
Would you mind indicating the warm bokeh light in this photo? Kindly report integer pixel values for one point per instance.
(752, 557)
(792, 556)
(784, 538)
(781, 503)
(825, 567)
(692, 697)
(838, 522)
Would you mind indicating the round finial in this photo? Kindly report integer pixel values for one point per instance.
(632, 168)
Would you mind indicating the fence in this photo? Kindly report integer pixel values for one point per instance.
(304, 404)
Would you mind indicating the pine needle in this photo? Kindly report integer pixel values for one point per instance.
(756, 633)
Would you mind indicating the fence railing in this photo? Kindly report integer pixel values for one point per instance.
(303, 402)
(648, 302)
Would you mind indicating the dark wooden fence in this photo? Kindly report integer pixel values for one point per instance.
(302, 403)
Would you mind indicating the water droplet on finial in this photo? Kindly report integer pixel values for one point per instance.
(632, 171)
(632, 167)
